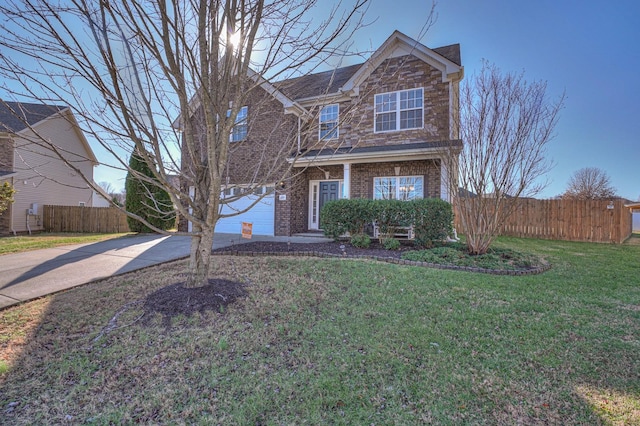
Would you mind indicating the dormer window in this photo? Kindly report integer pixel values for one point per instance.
(401, 110)
(329, 122)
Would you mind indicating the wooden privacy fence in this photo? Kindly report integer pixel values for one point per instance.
(106, 220)
(604, 221)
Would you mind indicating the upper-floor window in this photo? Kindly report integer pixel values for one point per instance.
(403, 188)
(399, 110)
(239, 131)
(329, 122)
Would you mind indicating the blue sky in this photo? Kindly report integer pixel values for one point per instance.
(588, 49)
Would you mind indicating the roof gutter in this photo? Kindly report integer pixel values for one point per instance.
(372, 157)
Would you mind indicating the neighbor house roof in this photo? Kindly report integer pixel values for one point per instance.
(17, 116)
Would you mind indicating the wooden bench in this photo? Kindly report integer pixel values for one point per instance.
(400, 232)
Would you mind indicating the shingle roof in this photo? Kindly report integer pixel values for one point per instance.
(451, 52)
(27, 113)
(317, 84)
(327, 82)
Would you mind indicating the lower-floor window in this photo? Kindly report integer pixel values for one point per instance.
(398, 188)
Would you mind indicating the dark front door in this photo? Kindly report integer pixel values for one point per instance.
(328, 191)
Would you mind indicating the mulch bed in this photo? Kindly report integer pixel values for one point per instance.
(175, 299)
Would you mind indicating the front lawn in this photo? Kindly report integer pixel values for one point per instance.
(337, 341)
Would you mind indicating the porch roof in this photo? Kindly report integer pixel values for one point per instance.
(633, 206)
(376, 154)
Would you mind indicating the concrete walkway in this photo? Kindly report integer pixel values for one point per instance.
(32, 274)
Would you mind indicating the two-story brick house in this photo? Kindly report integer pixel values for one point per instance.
(378, 129)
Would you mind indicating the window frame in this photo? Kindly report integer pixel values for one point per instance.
(240, 128)
(398, 188)
(331, 132)
(390, 104)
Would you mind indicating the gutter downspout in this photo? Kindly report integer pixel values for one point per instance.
(299, 141)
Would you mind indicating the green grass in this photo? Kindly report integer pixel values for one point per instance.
(345, 342)
(21, 243)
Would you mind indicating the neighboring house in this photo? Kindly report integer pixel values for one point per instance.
(378, 129)
(635, 214)
(36, 172)
(99, 201)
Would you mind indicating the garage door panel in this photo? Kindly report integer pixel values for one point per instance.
(261, 216)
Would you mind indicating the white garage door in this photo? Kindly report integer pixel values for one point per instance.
(261, 216)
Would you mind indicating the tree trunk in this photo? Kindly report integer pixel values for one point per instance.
(200, 259)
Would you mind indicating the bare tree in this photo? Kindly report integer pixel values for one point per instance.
(116, 197)
(505, 125)
(172, 76)
(107, 187)
(589, 183)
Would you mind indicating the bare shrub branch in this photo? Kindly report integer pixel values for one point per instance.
(505, 124)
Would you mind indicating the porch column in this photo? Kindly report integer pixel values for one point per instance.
(347, 180)
(444, 181)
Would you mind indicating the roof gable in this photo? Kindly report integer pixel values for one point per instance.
(17, 116)
(398, 45)
(345, 79)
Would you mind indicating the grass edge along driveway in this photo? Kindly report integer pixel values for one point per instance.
(21, 243)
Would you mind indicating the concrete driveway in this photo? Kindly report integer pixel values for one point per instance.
(33, 274)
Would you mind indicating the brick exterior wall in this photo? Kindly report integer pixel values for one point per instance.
(261, 157)
(6, 154)
(357, 115)
(362, 176)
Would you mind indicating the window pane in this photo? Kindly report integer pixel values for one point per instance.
(384, 188)
(386, 102)
(329, 122)
(399, 110)
(410, 188)
(385, 122)
(239, 131)
(411, 119)
(411, 99)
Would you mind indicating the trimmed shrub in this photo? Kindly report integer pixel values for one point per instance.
(148, 200)
(390, 243)
(432, 220)
(391, 213)
(341, 216)
(361, 241)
